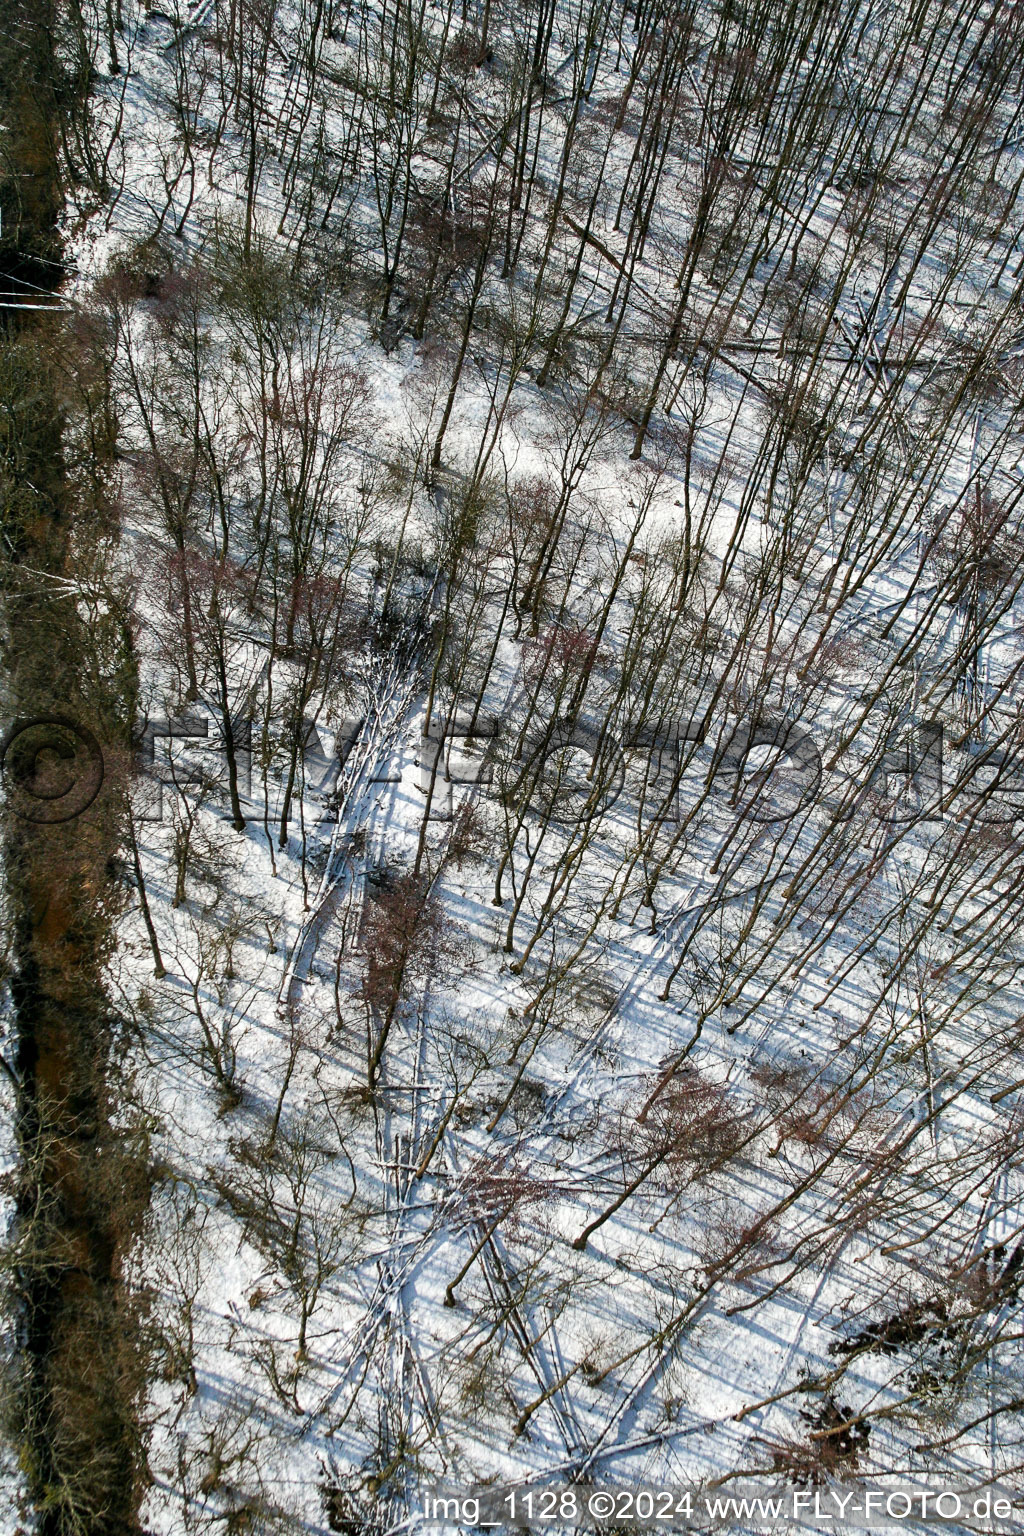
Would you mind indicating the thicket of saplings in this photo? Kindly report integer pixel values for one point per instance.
(754, 263)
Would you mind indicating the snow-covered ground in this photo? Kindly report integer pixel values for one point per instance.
(674, 1135)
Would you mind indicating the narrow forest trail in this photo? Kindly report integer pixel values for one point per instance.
(83, 1181)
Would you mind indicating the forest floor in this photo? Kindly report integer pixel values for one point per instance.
(565, 511)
